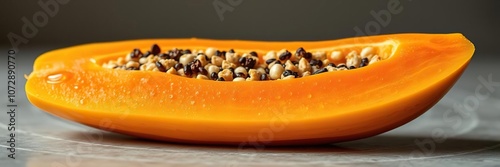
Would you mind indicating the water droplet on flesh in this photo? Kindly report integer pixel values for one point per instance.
(56, 78)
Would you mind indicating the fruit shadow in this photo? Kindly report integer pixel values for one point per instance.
(389, 144)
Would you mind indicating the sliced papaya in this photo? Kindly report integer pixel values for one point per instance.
(413, 73)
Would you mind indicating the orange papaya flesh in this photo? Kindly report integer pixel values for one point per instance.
(416, 72)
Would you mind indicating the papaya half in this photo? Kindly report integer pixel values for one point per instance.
(413, 73)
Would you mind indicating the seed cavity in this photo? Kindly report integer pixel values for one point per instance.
(231, 65)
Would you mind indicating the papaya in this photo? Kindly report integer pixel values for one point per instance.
(289, 93)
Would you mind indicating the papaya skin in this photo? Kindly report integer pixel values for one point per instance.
(324, 108)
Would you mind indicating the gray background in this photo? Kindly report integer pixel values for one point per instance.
(91, 20)
(44, 140)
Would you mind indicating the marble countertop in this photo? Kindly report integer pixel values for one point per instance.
(442, 136)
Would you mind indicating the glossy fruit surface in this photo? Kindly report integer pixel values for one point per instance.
(417, 70)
